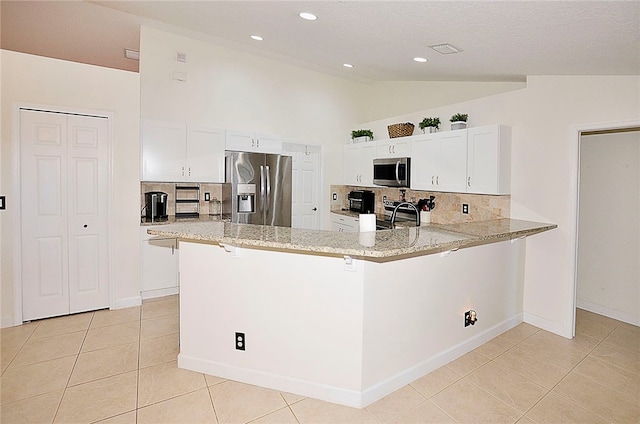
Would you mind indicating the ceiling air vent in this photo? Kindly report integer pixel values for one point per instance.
(445, 48)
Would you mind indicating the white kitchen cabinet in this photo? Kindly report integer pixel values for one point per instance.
(159, 265)
(394, 148)
(344, 223)
(244, 141)
(175, 151)
(205, 154)
(489, 160)
(439, 162)
(358, 163)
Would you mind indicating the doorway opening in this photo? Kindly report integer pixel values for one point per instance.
(607, 274)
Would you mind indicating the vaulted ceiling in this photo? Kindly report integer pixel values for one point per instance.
(499, 40)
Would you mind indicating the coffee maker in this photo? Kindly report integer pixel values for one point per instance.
(156, 206)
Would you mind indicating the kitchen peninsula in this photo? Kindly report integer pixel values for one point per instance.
(343, 317)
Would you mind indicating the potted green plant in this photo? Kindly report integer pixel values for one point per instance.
(433, 124)
(358, 136)
(459, 121)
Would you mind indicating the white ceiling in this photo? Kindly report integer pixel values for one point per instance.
(501, 40)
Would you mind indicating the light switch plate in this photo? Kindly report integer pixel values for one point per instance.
(3, 205)
(207, 196)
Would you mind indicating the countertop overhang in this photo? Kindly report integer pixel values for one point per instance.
(377, 246)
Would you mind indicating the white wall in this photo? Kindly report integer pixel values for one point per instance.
(609, 225)
(232, 89)
(48, 82)
(543, 174)
(235, 90)
(391, 98)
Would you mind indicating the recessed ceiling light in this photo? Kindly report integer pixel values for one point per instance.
(308, 16)
(256, 37)
(347, 65)
(445, 48)
(420, 59)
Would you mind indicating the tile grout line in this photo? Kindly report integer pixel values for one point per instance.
(138, 368)
(567, 374)
(75, 363)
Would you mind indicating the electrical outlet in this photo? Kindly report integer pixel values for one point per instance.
(207, 196)
(470, 318)
(3, 205)
(465, 208)
(240, 341)
(334, 196)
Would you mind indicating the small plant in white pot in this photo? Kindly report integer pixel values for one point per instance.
(430, 125)
(459, 121)
(358, 136)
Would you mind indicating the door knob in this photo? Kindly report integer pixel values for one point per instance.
(314, 209)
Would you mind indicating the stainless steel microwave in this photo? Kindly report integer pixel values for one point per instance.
(392, 172)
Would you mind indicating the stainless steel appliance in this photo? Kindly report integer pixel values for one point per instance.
(156, 206)
(362, 201)
(260, 187)
(392, 172)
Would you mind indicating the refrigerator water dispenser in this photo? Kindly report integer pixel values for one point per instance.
(246, 198)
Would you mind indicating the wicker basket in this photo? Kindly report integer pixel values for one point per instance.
(400, 130)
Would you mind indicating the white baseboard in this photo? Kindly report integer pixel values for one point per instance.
(152, 294)
(608, 312)
(7, 321)
(339, 395)
(128, 302)
(550, 326)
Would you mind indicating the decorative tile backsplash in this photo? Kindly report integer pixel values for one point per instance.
(448, 208)
(206, 208)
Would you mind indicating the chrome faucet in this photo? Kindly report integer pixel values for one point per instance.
(395, 211)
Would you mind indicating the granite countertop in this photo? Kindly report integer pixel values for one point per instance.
(144, 222)
(379, 246)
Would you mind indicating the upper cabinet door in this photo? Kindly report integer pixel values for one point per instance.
(205, 154)
(489, 160)
(453, 161)
(163, 150)
(439, 162)
(425, 165)
(244, 141)
(358, 164)
(394, 148)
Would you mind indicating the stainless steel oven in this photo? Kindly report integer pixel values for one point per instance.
(392, 172)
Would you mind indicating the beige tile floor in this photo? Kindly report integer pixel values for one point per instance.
(120, 367)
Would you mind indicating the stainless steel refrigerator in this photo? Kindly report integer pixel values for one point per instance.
(260, 186)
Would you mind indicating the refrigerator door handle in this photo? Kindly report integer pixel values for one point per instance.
(268, 197)
(262, 181)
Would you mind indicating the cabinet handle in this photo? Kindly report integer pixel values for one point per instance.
(173, 249)
(183, 171)
(432, 180)
(257, 142)
(189, 171)
(468, 181)
(437, 179)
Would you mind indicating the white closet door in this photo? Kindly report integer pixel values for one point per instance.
(88, 177)
(64, 186)
(43, 168)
